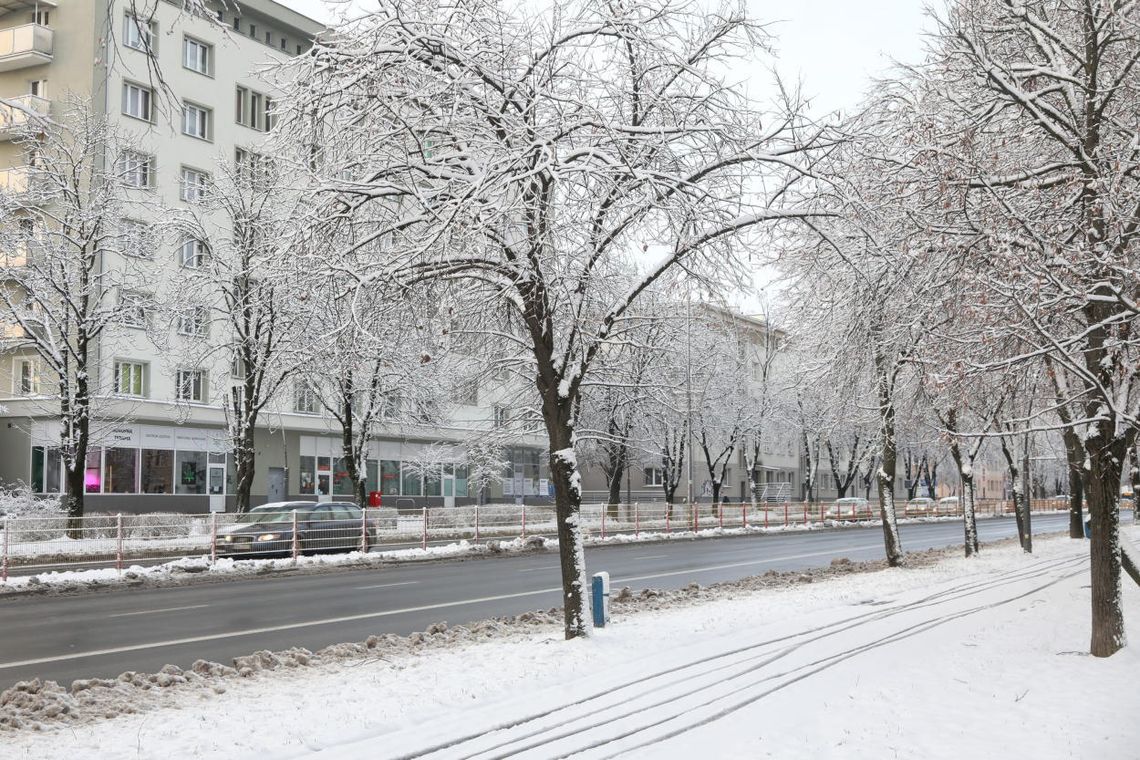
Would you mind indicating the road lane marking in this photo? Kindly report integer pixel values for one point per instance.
(544, 567)
(651, 556)
(269, 629)
(388, 613)
(155, 612)
(386, 585)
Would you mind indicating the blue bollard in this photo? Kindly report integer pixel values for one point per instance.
(600, 599)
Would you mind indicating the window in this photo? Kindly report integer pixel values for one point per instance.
(134, 239)
(38, 87)
(130, 379)
(194, 321)
(196, 121)
(193, 185)
(191, 385)
(269, 38)
(304, 398)
(654, 476)
(501, 415)
(134, 309)
(157, 471)
(253, 30)
(138, 101)
(465, 392)
(252, 109)
(138, 33)
(136, 169)
(284, 43)
(27, 378)
(190, 472)
(252, 168)
(299, 50)
(43, 18)
(237, 366)
(120, 470)
(197, 55)
(193, 254)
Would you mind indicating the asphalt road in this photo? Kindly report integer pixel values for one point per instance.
(104, 634)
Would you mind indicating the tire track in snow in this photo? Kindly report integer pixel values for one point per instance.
(737, 667)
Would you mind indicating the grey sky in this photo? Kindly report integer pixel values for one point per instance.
(834, 46)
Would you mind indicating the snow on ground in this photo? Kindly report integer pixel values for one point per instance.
(964, 658)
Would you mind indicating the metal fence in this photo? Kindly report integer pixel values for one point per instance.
(31, 545)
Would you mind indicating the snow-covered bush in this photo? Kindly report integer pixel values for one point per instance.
(21, 502)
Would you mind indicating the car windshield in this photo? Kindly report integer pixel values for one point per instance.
(271, 513)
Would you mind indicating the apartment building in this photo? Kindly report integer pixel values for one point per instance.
(188, 96)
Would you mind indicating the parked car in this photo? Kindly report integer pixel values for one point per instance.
(948, 505)
(848, 507)
(268, 530)
(920, 506)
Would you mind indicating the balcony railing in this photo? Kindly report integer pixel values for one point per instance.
(16, 112)
(23, 46)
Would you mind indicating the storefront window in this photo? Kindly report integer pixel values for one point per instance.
(412, 485)
(120, 471)
(157, 471)
(308, 474)
(190, 468)
(342, 484)
(93, 475)
(390, 477)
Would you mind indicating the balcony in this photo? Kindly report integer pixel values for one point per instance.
(23, 46)
(22, 186)
(16, 112)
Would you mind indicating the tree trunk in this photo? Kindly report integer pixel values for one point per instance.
(969, 513)
(1135, 478)
(74, 486)
(1076, 501)
(244, 462)
(1103, 488)
(966, 478)
(618, 471)
(886, 474)
(567, 504)
(1016, 490)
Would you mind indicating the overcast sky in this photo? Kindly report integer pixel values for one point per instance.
(833, 46)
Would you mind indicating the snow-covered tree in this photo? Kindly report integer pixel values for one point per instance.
(1042, 96)
(531, 154)
(238, 265)
(71, 268)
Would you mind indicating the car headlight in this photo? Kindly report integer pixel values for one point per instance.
(269, 537)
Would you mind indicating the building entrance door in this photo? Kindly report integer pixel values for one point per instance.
(276, 484)
(448, 485)
(216, 482)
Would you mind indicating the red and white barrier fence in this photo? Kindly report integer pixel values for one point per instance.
(37, 544)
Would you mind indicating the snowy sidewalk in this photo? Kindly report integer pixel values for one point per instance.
(981, 658)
